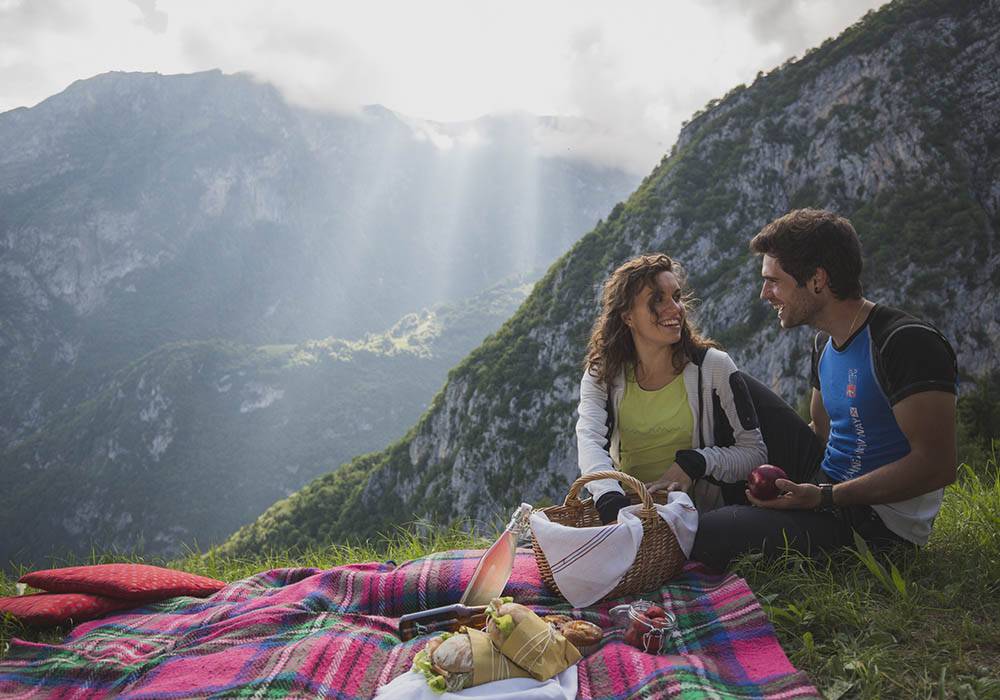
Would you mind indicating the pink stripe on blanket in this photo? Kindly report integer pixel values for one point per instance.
(762, 658)
(183, 673)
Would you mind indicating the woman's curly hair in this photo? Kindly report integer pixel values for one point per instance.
(610, 347)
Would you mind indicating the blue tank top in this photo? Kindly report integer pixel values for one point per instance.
(864, 434)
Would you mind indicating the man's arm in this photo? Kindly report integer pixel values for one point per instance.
(820, 419)
(927, 420)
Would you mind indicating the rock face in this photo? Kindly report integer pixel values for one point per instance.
(895, 124)
(140, 209)
(159, 235)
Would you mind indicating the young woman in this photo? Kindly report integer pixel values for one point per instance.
(656, 395)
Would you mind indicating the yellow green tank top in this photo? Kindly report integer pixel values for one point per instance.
(653, 425)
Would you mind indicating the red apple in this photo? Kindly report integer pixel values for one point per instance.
(761, 481)
(655, 611)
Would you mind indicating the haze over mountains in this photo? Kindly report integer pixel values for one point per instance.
(895, 124)
(161, 234)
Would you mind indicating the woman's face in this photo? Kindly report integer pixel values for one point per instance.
(656, 315)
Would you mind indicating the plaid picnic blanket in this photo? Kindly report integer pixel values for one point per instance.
(331, 633)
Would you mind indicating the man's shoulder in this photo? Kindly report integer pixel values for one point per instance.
(888, 323)
(910, 355)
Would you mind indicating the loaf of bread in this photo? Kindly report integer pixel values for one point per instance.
(581, 634)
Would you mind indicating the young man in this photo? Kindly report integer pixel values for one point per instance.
(883, 402)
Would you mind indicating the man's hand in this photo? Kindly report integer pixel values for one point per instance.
(794, 496)
(675, 479)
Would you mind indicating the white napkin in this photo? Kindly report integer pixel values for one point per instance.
(588, 562)
(413, 686)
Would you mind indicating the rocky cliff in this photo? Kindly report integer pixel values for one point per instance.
(173, 250)
(141, 209)
(895, 124)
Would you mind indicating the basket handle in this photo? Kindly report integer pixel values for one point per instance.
(573, 497)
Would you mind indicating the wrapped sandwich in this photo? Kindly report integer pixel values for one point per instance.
(454, 661)
(528, 640)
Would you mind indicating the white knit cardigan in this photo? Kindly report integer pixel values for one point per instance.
(728, 464)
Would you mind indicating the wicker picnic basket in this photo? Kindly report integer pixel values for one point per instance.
(659, 558)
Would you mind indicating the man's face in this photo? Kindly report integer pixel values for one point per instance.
(795, 305)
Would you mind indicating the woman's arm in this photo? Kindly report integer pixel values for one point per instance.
(592, 435)
(734, 463)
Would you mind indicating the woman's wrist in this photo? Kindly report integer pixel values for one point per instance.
(692, 462)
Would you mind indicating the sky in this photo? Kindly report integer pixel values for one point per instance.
(634, 70)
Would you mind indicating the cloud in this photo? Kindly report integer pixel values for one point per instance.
(24, 17)
(311, 61)
(631, 72)
(794, 26)
(154, 20)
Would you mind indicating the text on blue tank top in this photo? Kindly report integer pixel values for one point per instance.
(864, 434)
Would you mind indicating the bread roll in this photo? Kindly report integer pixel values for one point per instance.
(453, 655)
(581, 633)
(557, 621)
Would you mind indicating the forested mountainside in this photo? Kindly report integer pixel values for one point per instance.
(140, 209)
(195, 439)
(895, 124)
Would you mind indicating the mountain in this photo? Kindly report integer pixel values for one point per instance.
(895, 124)
(193, 440)
(140, 209)
(171, 247)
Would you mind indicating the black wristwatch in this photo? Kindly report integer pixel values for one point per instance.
(825, 495)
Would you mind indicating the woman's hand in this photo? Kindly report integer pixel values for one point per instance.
(674, 479)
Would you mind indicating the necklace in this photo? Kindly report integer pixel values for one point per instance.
(864, 303)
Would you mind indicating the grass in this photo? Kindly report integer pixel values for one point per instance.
(860, 627)
(930, 628)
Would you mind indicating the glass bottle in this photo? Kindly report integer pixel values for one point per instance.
(444, 619)
(487, 582)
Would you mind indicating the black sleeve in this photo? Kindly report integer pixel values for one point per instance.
(819, 342)
(915, 359)
(609, 504)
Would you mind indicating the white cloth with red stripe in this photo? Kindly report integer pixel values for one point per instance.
(588, 562)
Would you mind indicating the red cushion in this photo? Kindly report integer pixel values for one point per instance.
(127, 581)
(55, 608)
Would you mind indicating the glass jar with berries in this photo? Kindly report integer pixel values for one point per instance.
(647, 625)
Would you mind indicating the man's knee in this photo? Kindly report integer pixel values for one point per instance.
(729, 532)
(719, 539)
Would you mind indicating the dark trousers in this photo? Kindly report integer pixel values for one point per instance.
(726, 533)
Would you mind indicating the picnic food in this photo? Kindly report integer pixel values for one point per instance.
(647, 626)
(557, 621)
(528, 640)
(581, 634)
(453, 655)
(761, 481)
(504, 615)
(454, 661)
